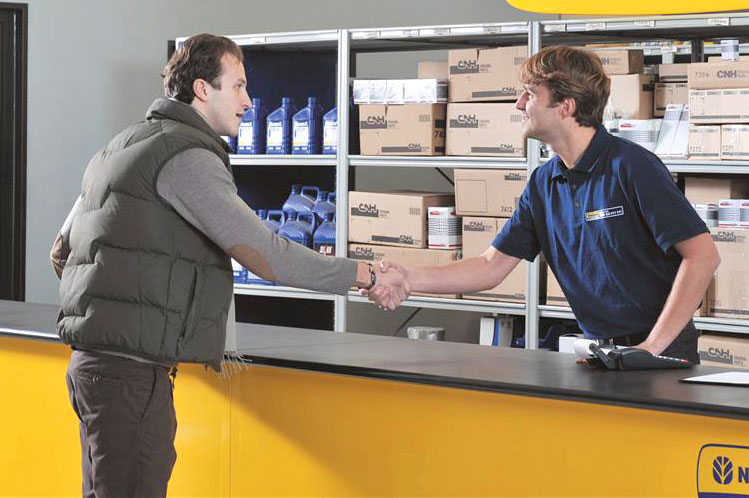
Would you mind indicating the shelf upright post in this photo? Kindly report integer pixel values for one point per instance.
(533, 154)
(342, 165)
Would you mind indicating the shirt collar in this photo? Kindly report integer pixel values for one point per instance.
(590, 157)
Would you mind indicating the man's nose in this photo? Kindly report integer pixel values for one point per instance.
(520, 103)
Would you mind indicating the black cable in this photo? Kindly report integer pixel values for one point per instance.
(439, 170)
(405, 322)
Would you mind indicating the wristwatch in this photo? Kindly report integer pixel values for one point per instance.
(372, 278)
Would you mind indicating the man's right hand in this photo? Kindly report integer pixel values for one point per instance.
(393, 286)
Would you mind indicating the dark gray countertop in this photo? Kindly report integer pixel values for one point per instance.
(467, 366)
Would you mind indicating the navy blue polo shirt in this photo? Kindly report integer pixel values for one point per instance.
(607, 228)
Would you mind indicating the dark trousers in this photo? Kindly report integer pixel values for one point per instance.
(684, 346)
(127, 424)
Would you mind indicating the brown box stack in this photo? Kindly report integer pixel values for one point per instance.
(485, 74)
(484, 130)
(488, 192)
(723, 351)
(729, 296)
(406, 129)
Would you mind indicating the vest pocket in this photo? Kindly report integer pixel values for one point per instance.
(193, 303)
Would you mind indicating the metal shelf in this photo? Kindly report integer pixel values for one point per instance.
(708, 323)
(471, 305)
(282, 160)
(440, 162)
(279, 291)
(716, 167)
(438, 37)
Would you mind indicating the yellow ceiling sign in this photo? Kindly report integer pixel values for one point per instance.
(628, 7)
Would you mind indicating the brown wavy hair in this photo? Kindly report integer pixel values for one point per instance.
(199, 57)
(570, 72)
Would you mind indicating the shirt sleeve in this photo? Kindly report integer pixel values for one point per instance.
(518, 236)
(198, 186)
(669, 216)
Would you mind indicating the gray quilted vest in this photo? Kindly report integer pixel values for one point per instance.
(140, 279)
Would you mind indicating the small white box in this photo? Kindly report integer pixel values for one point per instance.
(643, 132)
(566, 342)
(394, 91)
(377, 90)
(445, 230)
(729, 213)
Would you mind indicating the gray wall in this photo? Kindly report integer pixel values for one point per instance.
(94, 68)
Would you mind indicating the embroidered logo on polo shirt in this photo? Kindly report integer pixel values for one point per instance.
(604, 213)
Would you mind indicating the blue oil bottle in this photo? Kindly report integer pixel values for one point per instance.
(323, 206)
(278, 136)
(330, 132)
(301, 199)
(307, 136)
(251, 137)
(323, 240)
(299, 228)
(275, 219)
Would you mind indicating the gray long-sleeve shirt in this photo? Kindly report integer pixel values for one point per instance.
(198, 186)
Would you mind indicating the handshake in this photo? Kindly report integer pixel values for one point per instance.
(392, 285)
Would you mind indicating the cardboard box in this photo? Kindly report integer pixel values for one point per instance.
(488, 192)
(712, 75)
(729, 106)
(478, 234)
(669, 93)
(484, 130)
(372, 128)
(719, 58)
(485, 74)
(673, 72)
(406, 256)
(700, 190)
(433, 69)
(723, 351)
(631, 96)
(409, 129)
(554, 294)
(621, 60)
(397, 218)
(730, 294)
(734, 142)
(704, 144)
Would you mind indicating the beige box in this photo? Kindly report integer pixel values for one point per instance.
(433, 69)
(484, 130)
(673, 72)
(729, 296)
(700, 190)
(713, 59)
(711, 75)
(734, 142)
(621, 61)
(372, 128)
(727, 106)
(408, 129)
(485, 74)
(392, 218)
(704, 143)
(723, 351)
(632, 96)
(488, 192)
(669, 93)
(554, 294)
(478, 234)
(406, 256)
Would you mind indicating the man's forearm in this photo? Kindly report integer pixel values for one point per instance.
(688, 290)
(468, 275)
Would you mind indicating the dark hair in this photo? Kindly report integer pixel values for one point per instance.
(199, 57)
(570, 72)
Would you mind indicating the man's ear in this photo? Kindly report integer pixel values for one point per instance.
(567, 107)
(200, 89)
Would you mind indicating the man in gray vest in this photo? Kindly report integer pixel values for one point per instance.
(146, 277)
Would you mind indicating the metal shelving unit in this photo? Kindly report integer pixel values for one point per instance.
(641, 30)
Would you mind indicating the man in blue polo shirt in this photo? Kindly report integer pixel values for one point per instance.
(632, 256)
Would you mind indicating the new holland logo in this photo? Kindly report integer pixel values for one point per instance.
(723, 471)
(604, 213)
